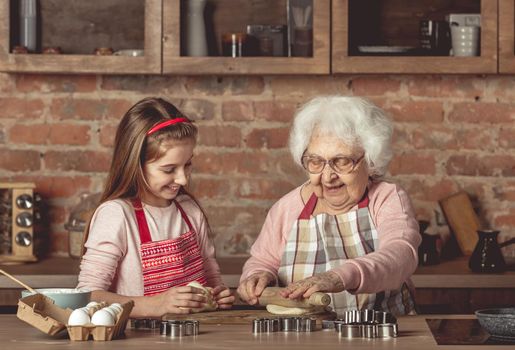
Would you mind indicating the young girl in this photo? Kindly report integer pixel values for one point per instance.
(149, 238)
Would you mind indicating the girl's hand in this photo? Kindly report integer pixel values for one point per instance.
(180, 300)
(251, 288)
(323, 282)
(223, 297)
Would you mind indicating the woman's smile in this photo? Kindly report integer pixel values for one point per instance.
(332, 190)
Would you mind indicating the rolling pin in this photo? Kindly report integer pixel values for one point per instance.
(271, 295)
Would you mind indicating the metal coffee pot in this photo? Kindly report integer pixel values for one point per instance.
(487, 256)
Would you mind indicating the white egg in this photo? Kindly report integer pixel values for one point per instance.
(92, 304)
(78, 317)
(102, 318)
(111, 311)
(116, 307)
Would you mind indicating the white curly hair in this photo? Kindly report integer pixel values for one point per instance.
(355, 120)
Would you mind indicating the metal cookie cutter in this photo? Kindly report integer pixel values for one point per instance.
(328, 325)
(387, 330)
(266, 325)
(366, 324)
(145, 323)
(306, 324)
(288, 324)
(272, 325)
(192, 327)
(177, 329)
(285, 324)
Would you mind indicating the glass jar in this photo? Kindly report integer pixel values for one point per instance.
(78, 220)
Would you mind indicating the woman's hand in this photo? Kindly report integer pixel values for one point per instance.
(180, 300)
(323, 282)
(251, 288)
(223, 297)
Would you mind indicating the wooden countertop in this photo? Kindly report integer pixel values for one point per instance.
(62, 272)
(456, 274)
(413, 334)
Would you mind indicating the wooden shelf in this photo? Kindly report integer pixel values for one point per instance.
(69, 63)
(174, 63)
(343, 62)
(456, 274)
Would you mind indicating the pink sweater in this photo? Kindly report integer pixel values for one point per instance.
(385, 269)
(112, 260)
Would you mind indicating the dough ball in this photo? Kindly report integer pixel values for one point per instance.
(206, 291)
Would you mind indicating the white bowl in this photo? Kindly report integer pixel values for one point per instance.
(64, 297)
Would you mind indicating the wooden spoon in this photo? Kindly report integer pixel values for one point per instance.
(18, 281)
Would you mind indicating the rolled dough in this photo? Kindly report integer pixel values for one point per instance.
(294, 311)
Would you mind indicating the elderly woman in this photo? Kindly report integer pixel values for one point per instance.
(344, 231)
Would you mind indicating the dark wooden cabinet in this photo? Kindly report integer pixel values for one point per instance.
(78, 28)
(233, 16)
(339, 27)
(395, 23)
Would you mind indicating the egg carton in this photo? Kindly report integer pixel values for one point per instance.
(102, 333)
(41, 312)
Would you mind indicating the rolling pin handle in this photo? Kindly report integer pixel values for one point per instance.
(319, 299)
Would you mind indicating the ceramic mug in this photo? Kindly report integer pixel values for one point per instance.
(465, 40)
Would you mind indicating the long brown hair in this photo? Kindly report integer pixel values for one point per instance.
(133, 148)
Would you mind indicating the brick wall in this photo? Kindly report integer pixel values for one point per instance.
(452, 133)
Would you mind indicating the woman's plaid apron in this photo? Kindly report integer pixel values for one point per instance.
(323, 242)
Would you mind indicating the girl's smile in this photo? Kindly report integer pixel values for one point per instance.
(166, 175)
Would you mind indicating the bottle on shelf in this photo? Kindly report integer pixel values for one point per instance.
(28, 24)
(196, 42)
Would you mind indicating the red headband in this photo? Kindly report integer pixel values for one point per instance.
(161, 125)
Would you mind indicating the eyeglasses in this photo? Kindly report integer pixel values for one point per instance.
(342, 165)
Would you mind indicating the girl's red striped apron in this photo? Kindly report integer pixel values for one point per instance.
(170, 262)
(320, 243)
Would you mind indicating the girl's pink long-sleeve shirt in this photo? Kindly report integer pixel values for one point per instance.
(112, 261)
(385, 269)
